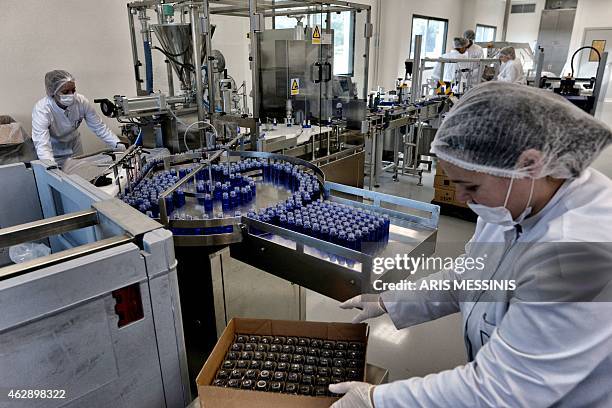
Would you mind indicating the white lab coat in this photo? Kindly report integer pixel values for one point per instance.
(526, 353)
(475, 51)
(55, 130)
(512, 71)
(450, 69)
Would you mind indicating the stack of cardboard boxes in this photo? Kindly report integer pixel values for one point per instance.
(445, 190)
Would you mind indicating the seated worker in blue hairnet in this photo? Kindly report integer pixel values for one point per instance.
(519, 156)
(56, 119)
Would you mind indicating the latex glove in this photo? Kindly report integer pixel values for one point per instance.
(120, 147)
(370, 307)
(357, 394)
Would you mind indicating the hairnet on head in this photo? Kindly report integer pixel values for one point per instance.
(55, 79)
(492, 125)
(508, 52)
(460, 42)
(470, 35)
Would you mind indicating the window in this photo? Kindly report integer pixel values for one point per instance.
(343, 24)
(523, 8)
(485, 33)
(434, 31)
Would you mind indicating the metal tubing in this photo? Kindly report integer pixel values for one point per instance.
(506, 19)
(366, 68)
(196, 36)
(416, 69)
(254, 58)
(209, 61)
(538, 74)
(599, 82)
(160, 20)
(33, 231)
(136, 63)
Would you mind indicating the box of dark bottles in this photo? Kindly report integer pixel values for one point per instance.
(277, 363)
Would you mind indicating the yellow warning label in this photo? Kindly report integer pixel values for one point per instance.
(444, 88)
(295, 86)
(316, 35)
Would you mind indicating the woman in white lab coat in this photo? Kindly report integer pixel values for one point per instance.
(57, 117)
(520, 157)
(511, 70)
(452, 69)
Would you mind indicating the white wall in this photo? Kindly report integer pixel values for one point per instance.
(90, 39)
(396, 31)
(486, 12)
(525, 27)
(86, 38)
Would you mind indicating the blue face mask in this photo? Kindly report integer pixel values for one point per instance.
(501, 215)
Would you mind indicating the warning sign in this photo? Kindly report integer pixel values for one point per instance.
(295, 86)
(316, 35)
(444, 88)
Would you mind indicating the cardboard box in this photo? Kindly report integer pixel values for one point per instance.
(439, 170)
(448, 197)
(215, 397)
(443, 182)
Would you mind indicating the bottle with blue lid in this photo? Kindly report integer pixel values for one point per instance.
(299, 226)
(208, 203)
(218, 191)
(266, 171)
(225, 202)
(234, 200)
(291, 224)
(179, 198)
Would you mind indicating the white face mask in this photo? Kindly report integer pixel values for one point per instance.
(501, 215)
(66, 100)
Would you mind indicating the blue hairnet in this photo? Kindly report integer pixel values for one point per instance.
(495, 123)
(55, 79)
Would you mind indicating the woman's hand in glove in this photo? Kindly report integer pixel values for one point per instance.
(371, 306)
(357, 395)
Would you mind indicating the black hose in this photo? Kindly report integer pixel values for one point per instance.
(170, 57)
(584, 48)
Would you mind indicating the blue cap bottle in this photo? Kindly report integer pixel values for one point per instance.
(291, 224)
(299, 226)
(208, 203)
(234, 200)
(225, 202)
(179, 198)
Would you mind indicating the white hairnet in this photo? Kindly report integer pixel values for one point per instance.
(55, 79)
(470, 35)
(460, 42)
(508, 52)
(495, 123)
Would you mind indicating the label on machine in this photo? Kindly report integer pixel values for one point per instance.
(295, 86)
(316, 34)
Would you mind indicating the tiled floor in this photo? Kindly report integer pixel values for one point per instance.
(423, 349)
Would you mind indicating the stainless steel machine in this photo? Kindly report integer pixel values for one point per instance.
(300, 107)
(99, 319)
(233, 261)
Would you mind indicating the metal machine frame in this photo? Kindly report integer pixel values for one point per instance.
(70, 320)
